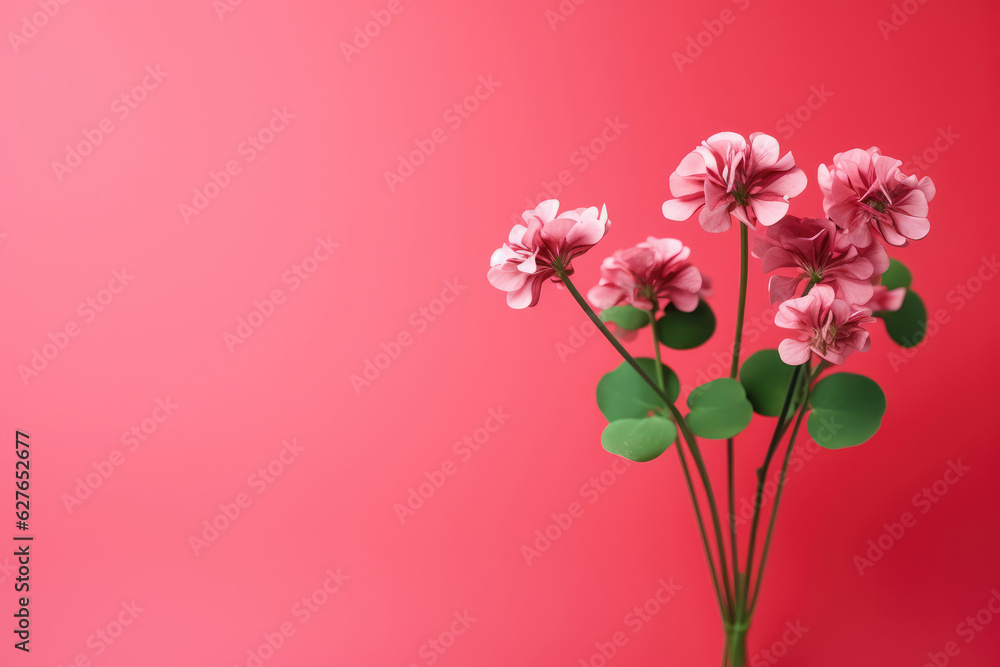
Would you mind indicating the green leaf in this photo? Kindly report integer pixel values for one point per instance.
(897, 275)
(719, 409)
(639, 439)
(908, 325)
(683, 331)
(765, 377)
(623, 394)
(847, 410)
(627, 317)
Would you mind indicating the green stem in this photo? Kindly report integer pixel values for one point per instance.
(742, 305)
(687, 481)
(779, 433)
(762, 476)
(678, 419)
(730, 443)
(611, 339)
(736, 646)
(777, 498)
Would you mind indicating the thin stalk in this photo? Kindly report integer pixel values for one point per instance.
(730, 443)
(762, 476)
(678, 419)
(777, 499)
(687, 480)
(742, 305)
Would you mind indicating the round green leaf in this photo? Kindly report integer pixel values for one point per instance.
(639, 439)
(766, 378)
(719, 409)
(623, 394)
(627, 317)
(908, 325)
(683, 331)
(847, 410)
(897, 275)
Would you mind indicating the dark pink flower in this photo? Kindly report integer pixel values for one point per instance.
(823, 324)
(547, 243)
(727, 176)
(821, 253)
(648, 276)
(865, 190)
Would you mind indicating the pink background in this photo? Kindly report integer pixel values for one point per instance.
(929, 86)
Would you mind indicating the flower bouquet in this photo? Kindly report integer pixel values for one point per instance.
(831, 278)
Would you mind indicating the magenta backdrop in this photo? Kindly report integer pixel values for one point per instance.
(219, 216)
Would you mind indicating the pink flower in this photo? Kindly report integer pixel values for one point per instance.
(884, 298)
(865, 190)
(648, 276)
(540, 250)
(824, 324)
(821, 253)
(727, 176)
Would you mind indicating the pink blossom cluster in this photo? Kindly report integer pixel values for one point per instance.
(837, 261)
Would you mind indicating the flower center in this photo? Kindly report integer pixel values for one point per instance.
(741, 194)
(824, 338)
(875, 204)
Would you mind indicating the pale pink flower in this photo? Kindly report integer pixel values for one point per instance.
(648, 276)
(886, 299)
(546, 244)
(727, 176)
(865, 190)
(821, 253)
(823, 324)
